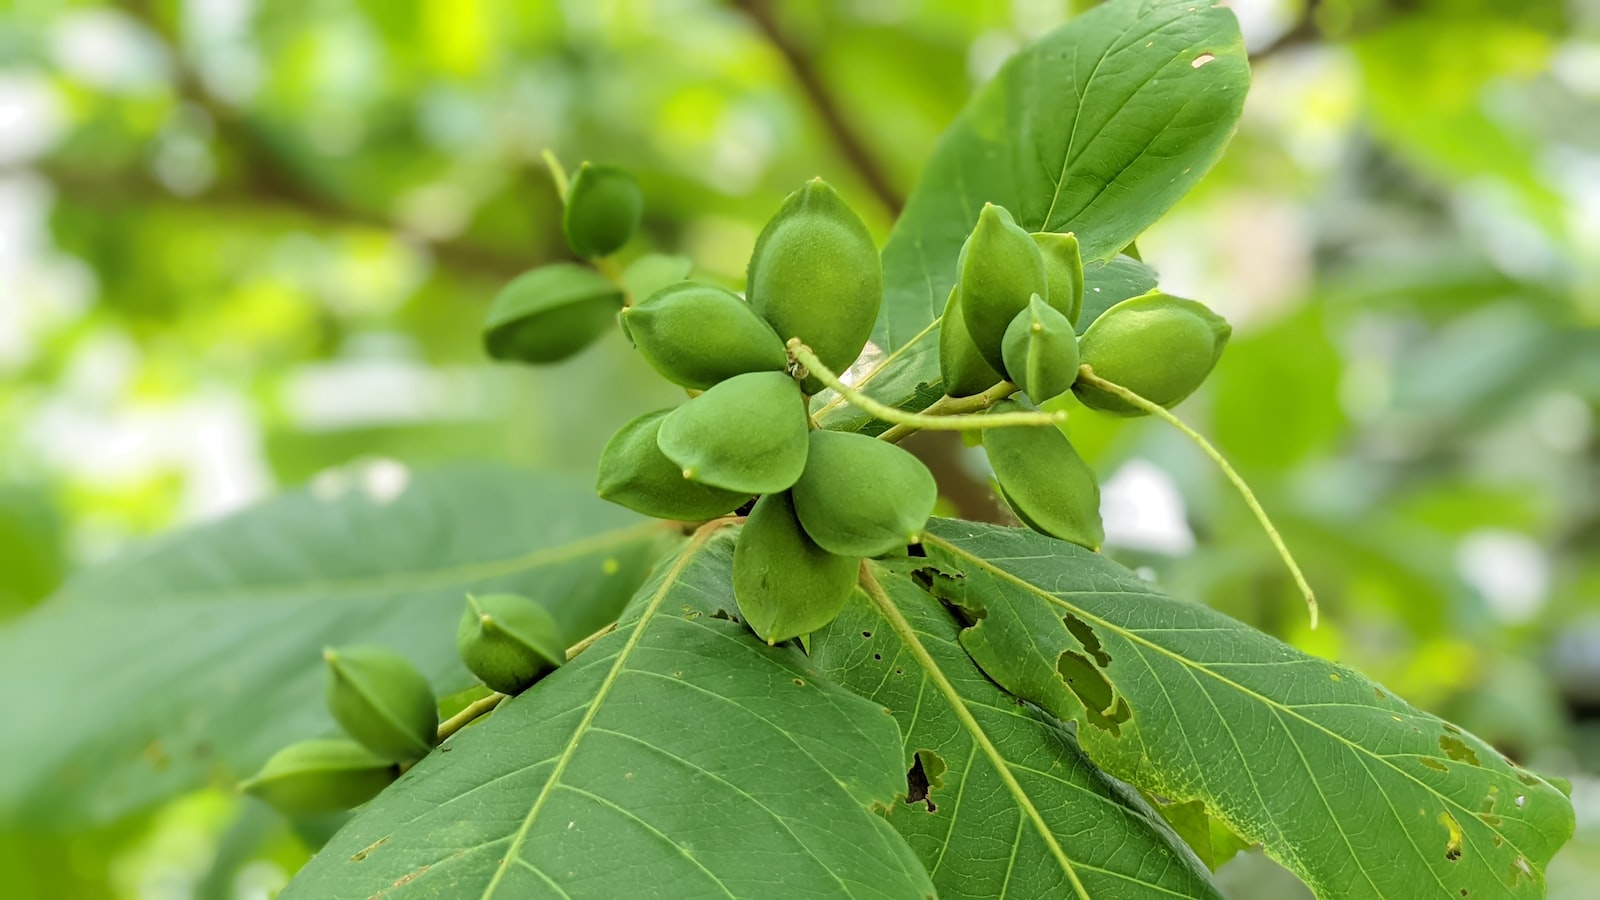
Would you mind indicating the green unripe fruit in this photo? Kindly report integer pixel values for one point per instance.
(784, 583)
(747, 434)
(509, 642)
(1041, 351)
(860, 496)
(963, 369)
(1000, 267)
(815, 275)
(1160, 347)
(604, 206)
(1044, 479)
(696, 335)
(382, 701)
(321, 776)
(636, 474)
(550, 313)
(1063, 271)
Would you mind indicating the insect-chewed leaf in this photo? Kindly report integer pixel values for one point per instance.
(962, 368)
(550, 313)
(1041, 351)
(1000, 268)
(860, 496)
(1063, 271)
(815, 275)
(1158, 346)
(747, 434)
(636, 474)
(1044, 479)
(604, 205)
(696, 335)
(382, 701)
(321, 776)
(785, 584)
(509, 641)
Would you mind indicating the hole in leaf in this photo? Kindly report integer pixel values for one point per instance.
(924, 777)
(1434, 764)
(1085, 636)
(1452, 847)
(1202, 59)
(866, 634)
(878, 656)
(1100, 701)
(799, 682)
(1457, 750)
(917, 550)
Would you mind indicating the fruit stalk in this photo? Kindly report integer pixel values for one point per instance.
(1086, 374)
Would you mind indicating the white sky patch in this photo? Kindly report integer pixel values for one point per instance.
(109, 51)
(1142, 510)
(367, 392)
(1508, 569)
(32, 117)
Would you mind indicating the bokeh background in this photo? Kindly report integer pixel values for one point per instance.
(242, 242)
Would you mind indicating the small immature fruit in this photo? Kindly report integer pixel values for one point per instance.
(860, 496)
(815, 275)
(1160, 347)
(1041, 351)
(784, 583)
(379, 699)
(604, 206)
(636, 474)
(1044, 479)
(964, 370)
(321, 776)
(747, 434)
(1000, 267)
(509, 641)
(1063, 270)
(550, 313)
(696, 335)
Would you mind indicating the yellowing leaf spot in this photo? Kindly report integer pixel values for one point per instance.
(1452, 847)
(1457, 750)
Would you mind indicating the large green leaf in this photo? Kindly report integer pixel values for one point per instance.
(1351, 788)
(1097, 128)
(1005, 804)
(200, 655)
(677, 757)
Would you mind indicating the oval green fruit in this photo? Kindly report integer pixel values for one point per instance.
(815, 274)
(636, 474)
(550, 313)
(1041, 351)
(382, 701)
(962, 368)
(1158, 346)
(1044, 479)
(860, 496)
(696, 335)
(747, 434)
(1063, 271)
(999, 268)
(321, 776)
(604, 206)
(509, 641)
(784, 583)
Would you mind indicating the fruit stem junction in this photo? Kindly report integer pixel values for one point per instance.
(1086, 375)
(949, 418)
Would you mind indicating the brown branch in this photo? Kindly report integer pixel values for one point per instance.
(845, 136)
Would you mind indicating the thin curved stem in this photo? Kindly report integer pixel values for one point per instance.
(949, 420)
(468, 714)
(953, 406)
(558, 173)
(1086, 374)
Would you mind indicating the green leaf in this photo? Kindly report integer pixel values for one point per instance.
(1097, 128)
(1352, 789)
(677, 757)
(999, 800)
(201, 655)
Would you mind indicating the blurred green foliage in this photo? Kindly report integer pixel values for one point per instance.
(242, 242)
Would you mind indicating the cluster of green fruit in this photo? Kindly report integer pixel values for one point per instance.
(389, 713)
(1012, 317)
(828, 499)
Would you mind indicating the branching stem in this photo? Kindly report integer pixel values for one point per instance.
(1086, 374)
(954, 416)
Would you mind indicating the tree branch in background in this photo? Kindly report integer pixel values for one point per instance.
(845, 137)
